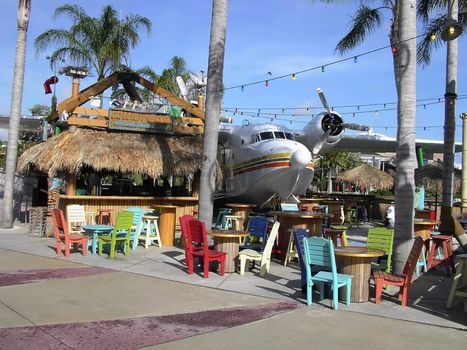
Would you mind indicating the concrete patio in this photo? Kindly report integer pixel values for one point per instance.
(154, 283)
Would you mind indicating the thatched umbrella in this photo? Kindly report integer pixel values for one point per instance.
(367, 176)
(431, 176)
(152, 154)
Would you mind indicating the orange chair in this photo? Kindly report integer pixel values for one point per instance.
(404, 281)
(62, 235)
(198, 248)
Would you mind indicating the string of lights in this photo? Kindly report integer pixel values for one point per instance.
(353, 113)
(438, 99)
(424, 127)
(321, 67)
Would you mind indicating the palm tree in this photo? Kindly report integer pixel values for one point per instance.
(213, 99)
(102, 43)
(335, 161)
(404, 189)
(435, 26)
(364, 22)
(166, 80)
(24, 10)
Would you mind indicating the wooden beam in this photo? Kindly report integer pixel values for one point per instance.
(131, 91)
(92, 111)
(99, 123)
(168, 95)
(71, 103)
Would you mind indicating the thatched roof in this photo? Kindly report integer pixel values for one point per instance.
(152, 154)
(431, 176)
(367, 176)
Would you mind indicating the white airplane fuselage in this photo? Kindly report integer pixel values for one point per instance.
(266, 161)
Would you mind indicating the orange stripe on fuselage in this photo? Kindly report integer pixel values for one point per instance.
(269, 165)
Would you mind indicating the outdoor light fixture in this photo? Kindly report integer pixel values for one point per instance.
(451, 30)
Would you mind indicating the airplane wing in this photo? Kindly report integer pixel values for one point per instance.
(371, 142)
(25, 122)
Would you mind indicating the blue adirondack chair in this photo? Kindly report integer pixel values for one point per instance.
(137, 225)
(298, 236)
(258, 228)
(320, 251)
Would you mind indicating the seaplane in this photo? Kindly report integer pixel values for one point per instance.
(268, 161)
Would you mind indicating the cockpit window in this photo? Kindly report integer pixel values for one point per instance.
(267, 135)
(289, 136)
(279, 135)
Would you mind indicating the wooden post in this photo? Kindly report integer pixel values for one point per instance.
(74, 92)
(201, 102)
(75, 87)
(71, 184)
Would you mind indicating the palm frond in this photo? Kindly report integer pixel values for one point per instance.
(427, 44)
(75, 12)
(426, 7)
(365, 21)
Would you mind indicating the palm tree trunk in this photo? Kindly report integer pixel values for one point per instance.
(405, 156)
(213, 99)
(449, 118)
(24, 8)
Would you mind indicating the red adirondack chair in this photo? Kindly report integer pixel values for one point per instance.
(62, 235)
(197, 247)
(404, 281)
(184, 221)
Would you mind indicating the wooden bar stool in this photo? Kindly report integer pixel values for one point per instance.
(336, 236)
(108, 213)
(434, 259)
(459, 282)
(151, 231)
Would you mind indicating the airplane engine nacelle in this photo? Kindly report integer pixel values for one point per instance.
(317, 128)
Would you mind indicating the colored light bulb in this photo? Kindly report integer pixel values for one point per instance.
(294, 77)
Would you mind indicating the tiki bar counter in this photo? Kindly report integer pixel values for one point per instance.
(96, 154)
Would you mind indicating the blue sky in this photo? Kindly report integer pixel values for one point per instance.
(263, 36)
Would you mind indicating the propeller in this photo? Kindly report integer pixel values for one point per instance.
(323, 100)
(357, 127)
(321, 142)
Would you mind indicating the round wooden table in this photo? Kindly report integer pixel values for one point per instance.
(167, 223)
(291, 220)
(356, 261)
(242, 210)
(228, 241)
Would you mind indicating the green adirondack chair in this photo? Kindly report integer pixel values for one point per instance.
(120, 233)
(381, 238)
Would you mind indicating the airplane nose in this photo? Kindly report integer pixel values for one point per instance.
(300, 159)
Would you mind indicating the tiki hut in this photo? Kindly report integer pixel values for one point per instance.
(431, 176)
(154, 155)
(367, 176)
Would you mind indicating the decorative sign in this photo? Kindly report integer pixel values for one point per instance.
(137, 121)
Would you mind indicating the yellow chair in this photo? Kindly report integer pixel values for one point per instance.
(264, 257)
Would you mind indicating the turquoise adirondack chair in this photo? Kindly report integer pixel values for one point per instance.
(320, 252)
(137, 225)
(381, 238)
(220, 222)
(120, 233)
